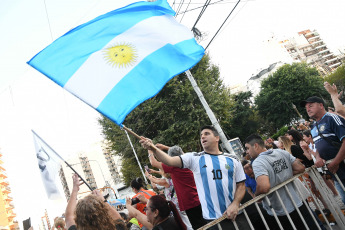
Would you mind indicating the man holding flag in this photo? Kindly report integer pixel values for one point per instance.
(219, 178)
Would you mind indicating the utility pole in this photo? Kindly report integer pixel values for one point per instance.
(210, 114)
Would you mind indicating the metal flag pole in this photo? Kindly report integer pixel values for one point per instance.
(210, 114)
(135, 154)
(62, 159)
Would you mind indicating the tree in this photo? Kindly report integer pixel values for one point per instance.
(244, 120)
(338, 78)
(174, 116)
(289, 84)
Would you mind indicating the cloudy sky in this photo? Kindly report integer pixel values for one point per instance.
(28, 100)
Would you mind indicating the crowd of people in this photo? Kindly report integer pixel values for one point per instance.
(192, 189)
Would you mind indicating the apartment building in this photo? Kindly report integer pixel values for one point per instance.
(308, 46)
(98, 167)
(7, 214)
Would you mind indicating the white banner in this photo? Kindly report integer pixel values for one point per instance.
(49, 165)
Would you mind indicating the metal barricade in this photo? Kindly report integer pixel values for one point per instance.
(320, 186)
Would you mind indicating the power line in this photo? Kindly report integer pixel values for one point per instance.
(51, 34)
(185, 11)
(213, 3)
(201, 12)
(179, 7)
(223, 23)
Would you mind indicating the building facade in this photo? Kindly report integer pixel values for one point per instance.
(7, 214)
(308, 46)
(98, 167)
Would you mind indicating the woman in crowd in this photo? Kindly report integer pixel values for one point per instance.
(157, 217)
(91, 212)
(59, 223)
(139, 190)
(169, 192)
(295, 149)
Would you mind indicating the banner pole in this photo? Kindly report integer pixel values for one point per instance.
(62, 159)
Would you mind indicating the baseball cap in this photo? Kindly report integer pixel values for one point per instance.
(313, 99)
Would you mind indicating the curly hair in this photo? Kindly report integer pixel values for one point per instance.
(92, 214)
(59, 223)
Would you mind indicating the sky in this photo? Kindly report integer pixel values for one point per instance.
(28, 100)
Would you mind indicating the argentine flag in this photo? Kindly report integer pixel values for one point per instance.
(120, 59)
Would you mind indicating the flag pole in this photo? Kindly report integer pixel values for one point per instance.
(135, 154)
(210, 113)
(62, 159)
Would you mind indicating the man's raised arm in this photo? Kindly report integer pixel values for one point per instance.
(159, 154)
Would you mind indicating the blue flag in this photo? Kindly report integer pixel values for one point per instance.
(120, 59)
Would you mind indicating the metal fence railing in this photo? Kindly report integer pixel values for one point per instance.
(320, 185)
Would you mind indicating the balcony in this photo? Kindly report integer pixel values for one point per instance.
(324, 51)
(331, 60)
(316, 42)
(335, 65)
(6, 189)
(326, 56)
(9, 206)
(312, 38)
(311, 33)
(4, 183)
(3, 175)
(319, 47)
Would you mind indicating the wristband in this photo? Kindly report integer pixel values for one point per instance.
(150, 155)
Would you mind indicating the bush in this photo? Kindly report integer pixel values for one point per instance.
(281, 132)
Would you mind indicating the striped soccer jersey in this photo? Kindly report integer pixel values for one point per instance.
(332, 127)
(215, 178)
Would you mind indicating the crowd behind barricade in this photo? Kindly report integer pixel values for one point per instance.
(191, 190)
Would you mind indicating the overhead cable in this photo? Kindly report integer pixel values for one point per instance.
(201, 12)
(223, 23)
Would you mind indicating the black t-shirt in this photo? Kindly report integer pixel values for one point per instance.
(168, 224)
(73, 227)
(297, 152)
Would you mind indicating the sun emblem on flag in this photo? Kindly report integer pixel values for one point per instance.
(121, 55)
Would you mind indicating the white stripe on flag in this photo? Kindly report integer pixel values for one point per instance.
(95, 78)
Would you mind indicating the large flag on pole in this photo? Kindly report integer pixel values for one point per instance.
(49, 165)
(120, 59)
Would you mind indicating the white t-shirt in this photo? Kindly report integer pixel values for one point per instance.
(215, 178)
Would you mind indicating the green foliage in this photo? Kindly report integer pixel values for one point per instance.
(289, 84)
(338, 78)
(244, 119)
(174, 116)
(281, 132)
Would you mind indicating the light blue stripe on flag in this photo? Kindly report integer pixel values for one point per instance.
(154, 69)
(65, 55)
(203, 173)
(219, 184)
(87, 61)
(230, 178)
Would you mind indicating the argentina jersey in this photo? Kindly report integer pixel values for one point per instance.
(332, 127)
(215, 178)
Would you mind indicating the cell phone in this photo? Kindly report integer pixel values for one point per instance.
(147, 168)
